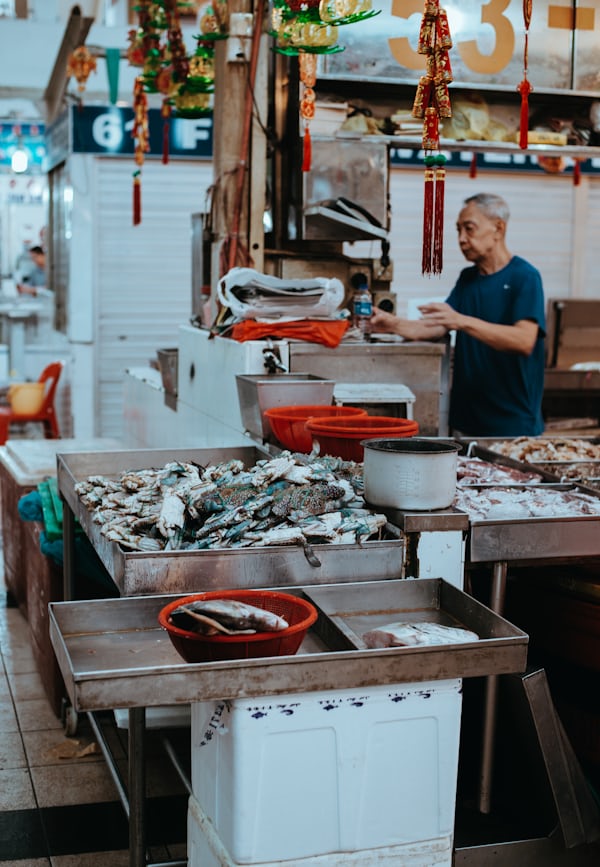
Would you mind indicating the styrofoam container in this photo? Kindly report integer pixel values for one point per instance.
(300, 776)
(206, 849)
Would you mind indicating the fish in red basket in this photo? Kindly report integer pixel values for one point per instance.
(226, 616)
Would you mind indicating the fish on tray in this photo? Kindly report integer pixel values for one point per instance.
(411, 634)
(225, 616)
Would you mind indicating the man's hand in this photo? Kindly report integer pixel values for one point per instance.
(24, 289)
(384, 322)
(410, 329)
(440, 313)
(520, 337)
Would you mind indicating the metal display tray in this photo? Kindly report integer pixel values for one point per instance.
(137, 572)
(536, 538)
(481, 448)
(112, 653)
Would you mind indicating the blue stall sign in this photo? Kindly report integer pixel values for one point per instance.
(107, 130)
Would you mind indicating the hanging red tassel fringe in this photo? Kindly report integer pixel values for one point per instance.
(306, 150)
(473, 166)
(524, 89)
(137, 199)
(428, 208)
(166, 115)
(437, 260)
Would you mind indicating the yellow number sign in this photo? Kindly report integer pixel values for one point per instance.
(486, 64)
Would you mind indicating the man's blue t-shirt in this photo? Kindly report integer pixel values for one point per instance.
(498, 393)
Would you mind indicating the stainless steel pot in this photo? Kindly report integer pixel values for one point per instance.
(410, 473)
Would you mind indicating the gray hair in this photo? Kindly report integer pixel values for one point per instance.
(493, 206)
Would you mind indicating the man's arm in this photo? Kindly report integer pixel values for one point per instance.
(411, 329)
(520, 337)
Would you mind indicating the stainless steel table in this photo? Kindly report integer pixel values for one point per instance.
(112, 653)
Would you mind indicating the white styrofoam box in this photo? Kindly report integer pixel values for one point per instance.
(206, 849)
(298, 776)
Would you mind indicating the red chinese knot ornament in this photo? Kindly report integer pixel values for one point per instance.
(432, 103)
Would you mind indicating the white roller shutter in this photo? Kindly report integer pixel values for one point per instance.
(143, 274)
(589, 242)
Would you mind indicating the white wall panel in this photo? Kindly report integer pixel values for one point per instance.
(142, 273)
(589, 237)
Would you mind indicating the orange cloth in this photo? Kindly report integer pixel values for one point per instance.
(327, 332)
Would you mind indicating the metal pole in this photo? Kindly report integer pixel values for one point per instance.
(137, 787)
(68, 552)
(498, 593)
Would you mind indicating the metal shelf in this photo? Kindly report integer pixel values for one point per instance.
(415, 143)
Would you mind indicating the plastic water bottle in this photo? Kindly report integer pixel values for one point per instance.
(362, 308)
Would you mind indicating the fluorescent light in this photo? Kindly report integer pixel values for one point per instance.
(19, 160)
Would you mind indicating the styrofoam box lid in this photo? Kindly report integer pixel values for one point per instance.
(373, 392)
(31, 461)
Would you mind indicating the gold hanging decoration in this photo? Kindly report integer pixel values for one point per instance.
(80, 64)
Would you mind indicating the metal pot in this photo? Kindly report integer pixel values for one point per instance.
(410, 473)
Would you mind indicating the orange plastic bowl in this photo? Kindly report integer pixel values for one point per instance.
(299, 613)
(341, 437)
(288, 423)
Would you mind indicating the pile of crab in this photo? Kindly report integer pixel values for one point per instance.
(286, 500)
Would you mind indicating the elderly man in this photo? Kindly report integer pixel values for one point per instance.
(497, 311)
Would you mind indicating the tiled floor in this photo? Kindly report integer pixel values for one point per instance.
(58, 802)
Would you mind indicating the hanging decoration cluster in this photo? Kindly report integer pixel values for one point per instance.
(525, 87)
(80, 65)
(432, 102)
(186, 83)
(306, 28)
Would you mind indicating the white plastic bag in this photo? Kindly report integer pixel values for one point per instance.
(252, 295)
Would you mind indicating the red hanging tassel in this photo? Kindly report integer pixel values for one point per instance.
(438, 224)
(524, 89)
(576, 173)
(307, 63)
(137, 198)
(428, 209)
(306, 150)
(473, 166)
(166, 115)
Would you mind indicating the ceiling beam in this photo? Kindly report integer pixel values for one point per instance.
(76, 31)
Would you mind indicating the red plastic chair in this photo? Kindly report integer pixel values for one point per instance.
(46, 414)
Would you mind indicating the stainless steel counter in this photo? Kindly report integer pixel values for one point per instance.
(136, 572)
(112, 653)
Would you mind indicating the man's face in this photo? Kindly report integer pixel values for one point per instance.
(478, 235)
(39, 259)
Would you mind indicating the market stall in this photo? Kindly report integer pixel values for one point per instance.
(425, 544)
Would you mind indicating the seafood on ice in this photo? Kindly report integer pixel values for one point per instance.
(527, 502)
(533, 449)
(225, 616)
(292, 499)
(472, 471)
(412, 634)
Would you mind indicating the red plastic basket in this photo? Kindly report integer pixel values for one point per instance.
(341, 437)
(299, 613)
(288, 423)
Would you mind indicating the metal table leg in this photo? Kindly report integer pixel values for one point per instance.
(68, 552)
(498, 593)
(137, 787)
